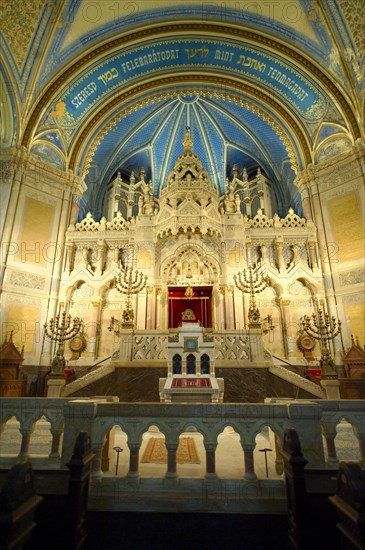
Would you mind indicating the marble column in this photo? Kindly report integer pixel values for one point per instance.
(284, 306)
(249, 461)
(279, 245)
(171, 460)
(312, 254)
(230, 308)
(94, 329)
(133, 460)
(75, 207)
(158, 309)
(149, 309)
(223, 320)
(71, 250)
(101, 257)
(96, 471)
(56, 440)
(24, 447)
(210, 460)
(307, 209)
(329, 436)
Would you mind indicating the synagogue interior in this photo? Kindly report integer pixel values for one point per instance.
(182, 235)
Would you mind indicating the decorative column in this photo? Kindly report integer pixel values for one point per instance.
(164, 314)
(171, 460)
(96, 471)
(24, 447)
(14, 169)
(307, 209)
(71, 250)
(94, 329)
(116, 254)
(247, 201)
(331, 447)
(141, 309)
(229, 308)
(263, 249)
(46, 352)
(101, 256)
(158, 308)
(239, 310)
(323, 248)
(312, 254)
(75, 207)
(149, 308)
(248, 252)
(210, 460)
(279, 245)
(223, 324)
(288, 328)
(56, 439)
(249, 461)
(133, 460)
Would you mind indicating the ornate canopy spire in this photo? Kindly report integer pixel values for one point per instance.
(187, 141)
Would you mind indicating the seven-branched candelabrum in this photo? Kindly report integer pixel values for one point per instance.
(61, 329)
(252, 281)
(323, 328)
(129, 281)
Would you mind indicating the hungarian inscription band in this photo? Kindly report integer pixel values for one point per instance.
(263, 68)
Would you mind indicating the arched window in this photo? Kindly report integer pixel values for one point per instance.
(190, 364)
(205, 364)
(176, 364)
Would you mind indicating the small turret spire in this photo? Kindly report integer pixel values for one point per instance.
(187, 141)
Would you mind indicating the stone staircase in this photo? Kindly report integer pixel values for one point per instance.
(94, 374)
(298, 380)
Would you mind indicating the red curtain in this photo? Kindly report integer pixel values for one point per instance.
(200, 304)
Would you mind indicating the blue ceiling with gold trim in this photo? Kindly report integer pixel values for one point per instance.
(101, 87)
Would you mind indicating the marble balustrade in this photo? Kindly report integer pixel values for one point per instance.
(67, 417)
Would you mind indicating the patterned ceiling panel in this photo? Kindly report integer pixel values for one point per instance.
(224, 134)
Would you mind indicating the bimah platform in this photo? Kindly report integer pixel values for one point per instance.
(191, 388)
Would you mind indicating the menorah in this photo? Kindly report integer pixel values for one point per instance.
(323, 328)
(61, 329)
(252, 281)
(129, 281)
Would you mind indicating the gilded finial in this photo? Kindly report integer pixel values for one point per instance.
(187, 141)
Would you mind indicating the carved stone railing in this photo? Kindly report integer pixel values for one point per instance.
(140, 347)
(232, 348)
(97, 416)
(27, 411)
